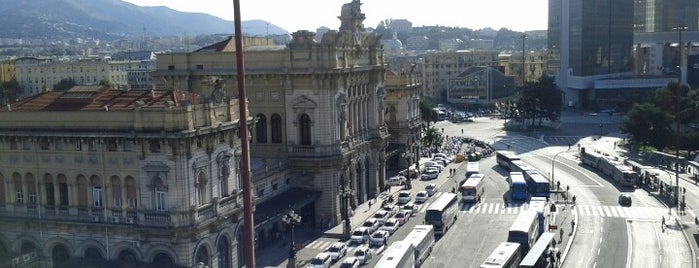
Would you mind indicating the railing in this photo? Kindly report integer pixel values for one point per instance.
(314, 151)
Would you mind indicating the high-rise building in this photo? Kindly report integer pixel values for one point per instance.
(594, 40)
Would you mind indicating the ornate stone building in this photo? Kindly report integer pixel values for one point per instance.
(318, 106)
(95, 176)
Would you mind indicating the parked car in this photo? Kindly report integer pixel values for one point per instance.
(421, 197)
(391, 225)
(350, 262)
(409, 208)
(404, 197)
(431, 189)
(402, 216)
(409, 172)
(429, 174)
(445, 159)
(625, 200)
(372, 224)
(363, 254)
(434, 164)
(322, 260)
(441, 155)
(381, 216)
(440, 161)
(337, 250)
(360, 235)
(379, 238)
(396, 180)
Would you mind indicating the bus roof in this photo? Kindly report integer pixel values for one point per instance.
(510, 154)
(501, 254)
(471, 166)
(517, 177)
(522, 165)
(537, 176)
(394, 254)
(473, 181)
(535, 252)
(524, 221)
(442, 202)
(538, 206)
(419, 233)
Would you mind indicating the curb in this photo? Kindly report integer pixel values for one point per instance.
(689, 241)
(571, 239)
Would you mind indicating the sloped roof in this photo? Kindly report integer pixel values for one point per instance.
(227, 45)
(98, 98)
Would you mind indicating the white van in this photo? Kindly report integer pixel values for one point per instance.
(395, 181)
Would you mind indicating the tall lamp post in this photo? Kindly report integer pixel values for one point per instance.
(345, 194)
(408, 155)
(553, 161)
(679, 29)
(524, 37)
(292, 219)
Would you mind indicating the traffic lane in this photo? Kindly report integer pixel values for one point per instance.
(586, 245)
(675, 246)
(614, 244)
(644, 249)
(471, 240)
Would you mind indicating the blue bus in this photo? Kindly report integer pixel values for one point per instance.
(524, 230)
(505, 158)
(518, 186)
(538, 184)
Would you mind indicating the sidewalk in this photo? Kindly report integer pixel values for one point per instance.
(362, 212)
(562, 219)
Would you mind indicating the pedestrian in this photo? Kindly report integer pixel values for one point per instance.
(567, 188)
(552, 258)
(558, 256)
(572, 226)
(369, 204)
(662, 221)
(574, 197)
(558, 185)
(561, 237)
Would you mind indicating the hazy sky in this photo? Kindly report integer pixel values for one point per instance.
(518, 15)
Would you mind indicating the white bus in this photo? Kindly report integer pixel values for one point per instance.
(471, 168)
(505, 158)
(442, 213)
(422, 238)
(399, 254)
(472, 188)
(541, 210)
(525, 230)
(506, 255)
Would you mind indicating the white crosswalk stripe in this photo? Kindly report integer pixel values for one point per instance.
(582, 210)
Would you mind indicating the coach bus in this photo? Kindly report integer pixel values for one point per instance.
(520, 166)
(505, 158)
(538, 254)
(422, 238)
(525, 230)
(472, 188)
(399, 254)
(539, 206)
(471, 168)
(518, 186)
(506, 255)
(537, 184)
(442, 213)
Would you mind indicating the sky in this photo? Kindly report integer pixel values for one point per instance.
(517, 15)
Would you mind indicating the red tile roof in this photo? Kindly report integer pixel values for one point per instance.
(96, 98)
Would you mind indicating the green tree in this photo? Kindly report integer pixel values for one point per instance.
(10, 90)
(648, 125)
(539, 100)
(432, 138)
(64, 85)
(106, 83)
(427, 112)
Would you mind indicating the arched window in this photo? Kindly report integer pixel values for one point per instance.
(225, 174)
(160, 194)
(201, 188)
(48, 185)
(131, 191)
(202, 256)
(116, 191)
(62, 190)
(31, 187)
(261, 128)
(276, 121)
(96, 184)
(81, 182)
(59, 255)
(162, 260)
(305, 129)
(19, 190)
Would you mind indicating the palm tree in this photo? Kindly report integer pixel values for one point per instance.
(432, 138)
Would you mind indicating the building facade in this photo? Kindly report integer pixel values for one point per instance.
(479, 86)
(439, 67)
(319, 107)
(96, 176)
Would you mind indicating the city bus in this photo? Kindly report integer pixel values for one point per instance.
(505, 158)
(525, 230)
(399, 254)
(471, 168)
(506, 255)
(520, 166)
(442, 213)
(539, 206)
(538, 254)
(422, 238)
(518, 186)
(537, 184)
(472, 188)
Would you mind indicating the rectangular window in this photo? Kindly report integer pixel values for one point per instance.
(275, 186)
(44, 144)
(261, 193)
(63, 193)
(91, 146)
(20, 197)
(171, 67)
(97, 196)
(200, 67)
(127, 146)
(13, 145)
(78, 145)
(32, 197)
(50, 198)
(59, 145)
(160, 200)
(26, 145)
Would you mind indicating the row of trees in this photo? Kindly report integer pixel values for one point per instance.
(653, 120)
(536, 101)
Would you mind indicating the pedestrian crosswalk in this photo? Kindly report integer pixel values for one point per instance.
(582, 210)
(323, 244)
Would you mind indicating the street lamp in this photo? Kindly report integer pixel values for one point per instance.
(524, 36)
(553, 177)
(345, 195)
(677, 119)
(408, 155)
(292, 219)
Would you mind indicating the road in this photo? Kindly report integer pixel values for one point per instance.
(607, 234)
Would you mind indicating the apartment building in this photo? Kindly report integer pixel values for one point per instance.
(439, 67)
